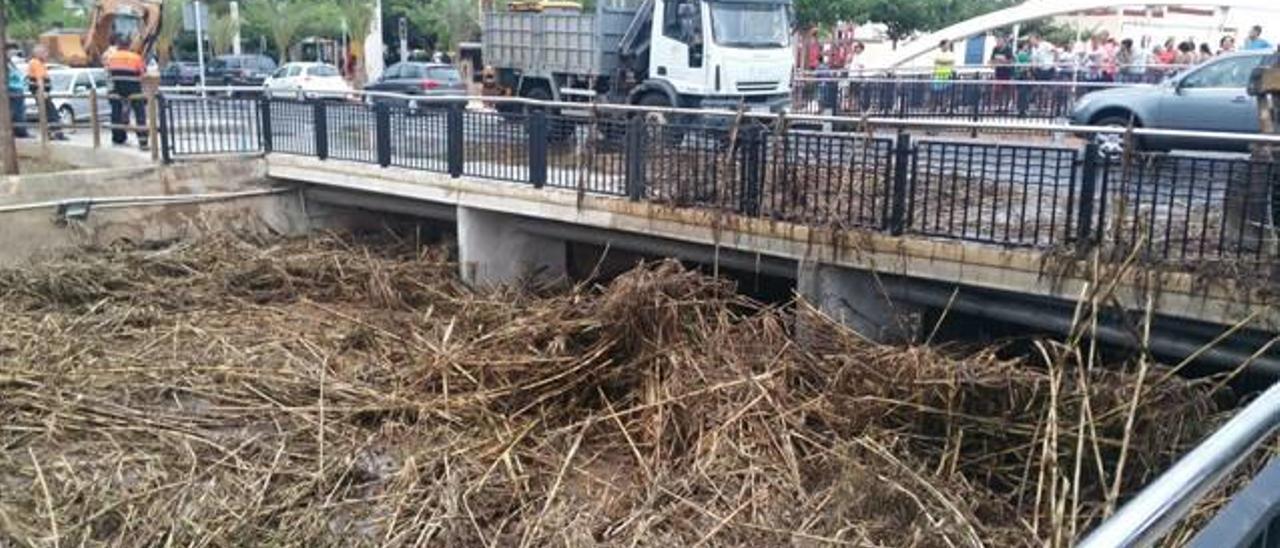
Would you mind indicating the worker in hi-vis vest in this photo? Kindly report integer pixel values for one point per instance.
(126, 69)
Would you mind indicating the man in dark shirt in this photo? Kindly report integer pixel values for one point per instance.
(1002, 57)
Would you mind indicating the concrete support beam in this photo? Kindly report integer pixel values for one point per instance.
(860, 300)
(494, 251)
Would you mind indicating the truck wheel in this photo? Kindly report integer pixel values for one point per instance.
(558, 129)
(659, 123)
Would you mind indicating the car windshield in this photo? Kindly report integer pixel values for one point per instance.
(322, 70)
(750, 25)
(60, 81)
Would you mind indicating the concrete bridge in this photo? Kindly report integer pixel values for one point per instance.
(874, 226)
(511, 232)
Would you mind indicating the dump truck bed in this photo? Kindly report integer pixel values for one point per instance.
(547, 43)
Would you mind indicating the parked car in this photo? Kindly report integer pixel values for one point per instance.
(239, 70)
(77, 82)
(180, 73)
(308, 81)
(420, 79)
(1208, 97)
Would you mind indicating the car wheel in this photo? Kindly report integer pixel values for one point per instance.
(1113, 144)
(66, 117)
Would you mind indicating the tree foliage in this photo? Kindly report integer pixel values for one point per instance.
(28, 19)
(222, 34)
(902, 18)
(279, 20)
(446, 22)
(170, 29)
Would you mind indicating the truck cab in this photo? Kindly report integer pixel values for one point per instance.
(683, 53)
(716, 53)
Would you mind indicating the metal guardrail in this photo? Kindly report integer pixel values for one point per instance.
(1163, 503)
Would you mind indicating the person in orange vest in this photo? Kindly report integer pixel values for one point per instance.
(38, 78)
(126, 69)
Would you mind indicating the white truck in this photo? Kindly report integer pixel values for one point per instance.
(685, 53)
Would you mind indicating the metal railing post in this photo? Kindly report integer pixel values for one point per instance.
(900, 187)
(94, 119)
(454, 141)
(166, 131)
(153, 113)
(382, 133)
(264, 113)
(42, 115)
(635, 160)
(1088, 194)
(536, 130)
(321, 122)
(750, 144)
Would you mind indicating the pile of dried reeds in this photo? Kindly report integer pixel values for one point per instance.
(330, 391)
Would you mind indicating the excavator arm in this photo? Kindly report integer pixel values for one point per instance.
(137, 19)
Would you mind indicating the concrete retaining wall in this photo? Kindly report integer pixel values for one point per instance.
(30, 234)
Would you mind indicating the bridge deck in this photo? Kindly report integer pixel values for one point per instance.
(1178, 294)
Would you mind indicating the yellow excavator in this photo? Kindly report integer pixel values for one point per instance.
(138, 20)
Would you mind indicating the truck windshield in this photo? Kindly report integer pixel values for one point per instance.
(749, 25)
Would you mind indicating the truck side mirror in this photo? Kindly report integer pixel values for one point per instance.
(695, 55)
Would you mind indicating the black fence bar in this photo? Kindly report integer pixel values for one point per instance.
(635, 158)
(537, 143)
(900, 190)
(382, 133)
(1176, 209)
(265, 119)
(320, 127)
(455, 141)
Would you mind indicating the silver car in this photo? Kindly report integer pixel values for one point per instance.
(1208, 97)
(74, 85)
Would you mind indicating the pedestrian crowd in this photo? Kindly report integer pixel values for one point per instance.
(1102, 58)
(125, 69)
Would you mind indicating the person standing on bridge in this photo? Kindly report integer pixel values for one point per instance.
(17, 103)
(1255, 41)
(126, 69)
(38, 76)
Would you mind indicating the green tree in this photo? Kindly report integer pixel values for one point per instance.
(280, 20)
(222, 34)
(170, 29)
(30, 23)
(447, 22)
(902, 18)
(359, 17)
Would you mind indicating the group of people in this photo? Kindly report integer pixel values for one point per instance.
(125, 68)
(1104, 59)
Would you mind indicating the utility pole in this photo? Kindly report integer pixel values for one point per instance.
(199, 44)
(8, 150)
(372, 42)
(402, 28)
(234, 10)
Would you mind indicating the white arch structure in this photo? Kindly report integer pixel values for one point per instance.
(1039, 9)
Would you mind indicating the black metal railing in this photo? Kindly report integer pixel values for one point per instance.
(1173, 209)
(963, 98)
